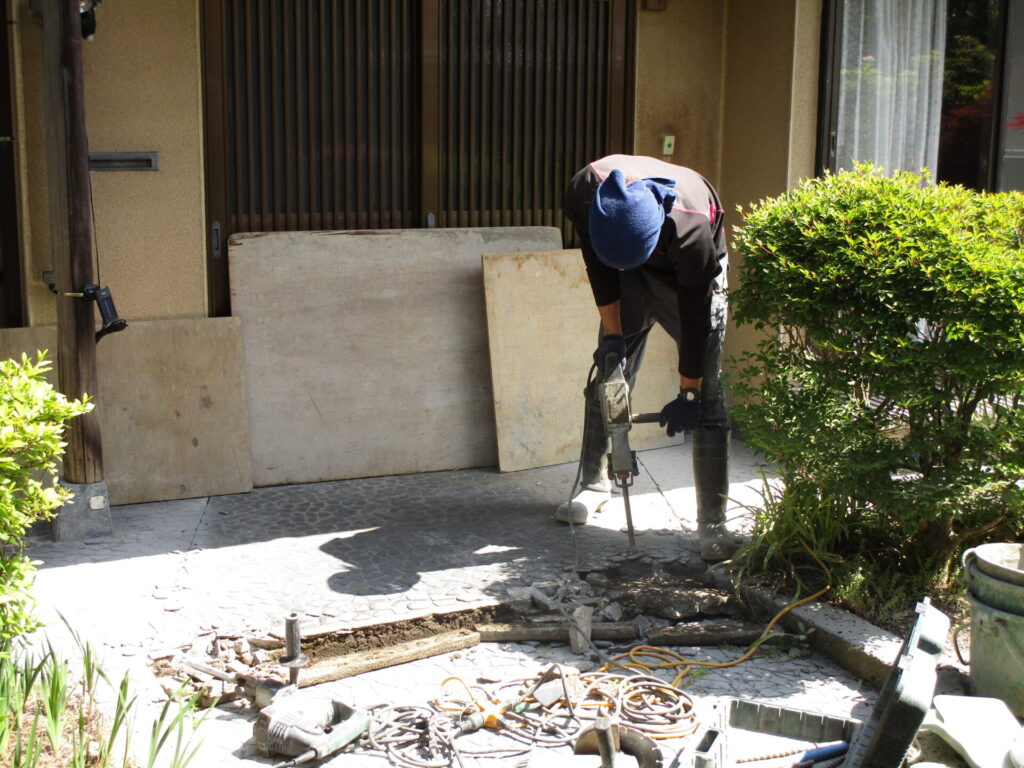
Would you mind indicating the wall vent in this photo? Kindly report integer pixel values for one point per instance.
(124, 161)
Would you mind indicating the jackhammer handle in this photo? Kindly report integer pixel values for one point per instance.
(645, 418)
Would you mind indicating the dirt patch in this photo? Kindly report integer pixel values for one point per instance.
(670, 591)
(385, 635)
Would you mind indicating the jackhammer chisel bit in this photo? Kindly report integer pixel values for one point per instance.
(261, 691)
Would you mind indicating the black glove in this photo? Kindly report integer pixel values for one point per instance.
(611, 343)
(682, 414)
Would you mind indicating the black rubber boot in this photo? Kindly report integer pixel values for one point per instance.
(711, 479)
(594, 482)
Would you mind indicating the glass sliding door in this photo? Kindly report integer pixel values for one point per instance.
(970, 81)
(935, 84)
(1010, 162)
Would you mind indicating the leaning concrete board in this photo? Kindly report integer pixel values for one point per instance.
(542, 328)
(171, 404)
(366, 352)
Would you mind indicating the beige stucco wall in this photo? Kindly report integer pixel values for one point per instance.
(679, 83)
(803, 114)
(733, 81)
(27, 93)
(736, 83)
(142, 87)
(769, 109)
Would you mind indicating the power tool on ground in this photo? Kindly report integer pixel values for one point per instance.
(304, 727)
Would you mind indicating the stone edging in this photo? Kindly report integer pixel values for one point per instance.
(856, 645)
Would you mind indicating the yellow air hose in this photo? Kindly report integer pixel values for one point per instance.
(673, 660)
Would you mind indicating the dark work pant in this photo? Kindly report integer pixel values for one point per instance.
(646, 299)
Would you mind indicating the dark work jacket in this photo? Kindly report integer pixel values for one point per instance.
(690, 252)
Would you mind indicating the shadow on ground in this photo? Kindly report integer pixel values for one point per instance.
(361, 550)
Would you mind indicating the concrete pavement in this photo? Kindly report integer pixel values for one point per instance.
(382, 549)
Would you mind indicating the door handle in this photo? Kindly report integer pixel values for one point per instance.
(215, 239)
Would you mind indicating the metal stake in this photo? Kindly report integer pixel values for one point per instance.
(295, 658)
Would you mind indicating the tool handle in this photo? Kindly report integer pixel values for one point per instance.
(824, 753)
(611, 360)
(645, 418)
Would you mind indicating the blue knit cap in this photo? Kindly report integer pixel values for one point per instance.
(626, 221)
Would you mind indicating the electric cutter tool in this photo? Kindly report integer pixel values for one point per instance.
(613, 392)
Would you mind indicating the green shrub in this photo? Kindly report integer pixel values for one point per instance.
(887, 386)
(33, 416)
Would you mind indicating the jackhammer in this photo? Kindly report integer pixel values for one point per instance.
(301, 725)
(613, 392)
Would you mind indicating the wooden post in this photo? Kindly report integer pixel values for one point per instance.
(67, 159)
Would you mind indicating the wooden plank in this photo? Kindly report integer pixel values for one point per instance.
(701, 633)
(542, 329)
(707, 633)
(623, 631)
(174, 394)
(353, 664)
(171, 403)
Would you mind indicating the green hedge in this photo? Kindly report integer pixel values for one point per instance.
(890, 376)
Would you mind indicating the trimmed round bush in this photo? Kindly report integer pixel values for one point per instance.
(892, 366)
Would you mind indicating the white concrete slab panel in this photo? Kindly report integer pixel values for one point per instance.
(366, 352)
(542, 330)
(171, 405)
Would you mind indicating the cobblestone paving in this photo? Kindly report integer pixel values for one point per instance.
(382, 549)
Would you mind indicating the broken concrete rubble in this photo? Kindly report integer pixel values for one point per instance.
(612, 612)
(580, 628)
(581, 611)
(519, 599)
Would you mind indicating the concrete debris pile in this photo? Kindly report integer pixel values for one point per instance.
(638, 599)
(664, 594)
(216, 665)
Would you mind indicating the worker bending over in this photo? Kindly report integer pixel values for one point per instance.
(653, 241)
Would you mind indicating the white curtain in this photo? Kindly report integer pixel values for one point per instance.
(890, 89)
